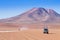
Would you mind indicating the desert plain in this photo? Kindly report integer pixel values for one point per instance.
(29, 34)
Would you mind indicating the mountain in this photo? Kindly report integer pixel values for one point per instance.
(33, 18)
(34, 15)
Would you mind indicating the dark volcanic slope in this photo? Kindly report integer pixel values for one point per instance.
(35, 15)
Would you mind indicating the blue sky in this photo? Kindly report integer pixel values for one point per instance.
(10, 8)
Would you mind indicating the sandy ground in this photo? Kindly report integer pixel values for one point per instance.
(31, 34)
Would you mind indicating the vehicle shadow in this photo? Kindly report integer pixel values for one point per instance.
(51, 33)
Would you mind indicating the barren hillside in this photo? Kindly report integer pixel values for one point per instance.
(33, 17)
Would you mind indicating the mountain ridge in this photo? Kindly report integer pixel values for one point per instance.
(35, 14)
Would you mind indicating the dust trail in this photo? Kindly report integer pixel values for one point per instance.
(8, 31)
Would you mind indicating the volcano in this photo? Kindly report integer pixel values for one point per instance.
(34, 15)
